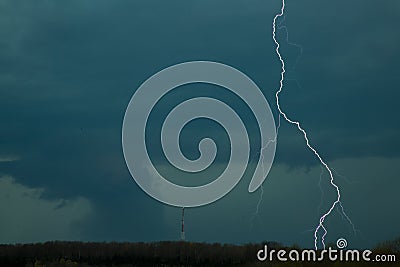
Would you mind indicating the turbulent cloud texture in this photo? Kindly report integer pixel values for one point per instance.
(69, 68)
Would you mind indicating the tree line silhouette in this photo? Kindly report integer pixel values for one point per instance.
(167, 253)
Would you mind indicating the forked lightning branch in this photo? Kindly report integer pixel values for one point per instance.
(321, 226)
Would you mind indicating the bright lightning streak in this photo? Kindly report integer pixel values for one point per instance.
(337, 201)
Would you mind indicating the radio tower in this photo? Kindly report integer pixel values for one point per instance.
(183, 225)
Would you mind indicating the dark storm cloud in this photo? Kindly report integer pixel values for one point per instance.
(348, 76)
(68, 70)
(75, 66)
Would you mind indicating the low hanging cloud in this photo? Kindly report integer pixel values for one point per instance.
(292, 204)
(27, 217)
(8, 158)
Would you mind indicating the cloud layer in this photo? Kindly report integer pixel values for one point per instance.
(68, 70)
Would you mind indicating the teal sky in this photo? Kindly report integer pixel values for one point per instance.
(68, 70)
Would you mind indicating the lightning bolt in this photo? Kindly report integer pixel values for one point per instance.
(323, 163)
(320, 189)
(263, 168)
(283, 27)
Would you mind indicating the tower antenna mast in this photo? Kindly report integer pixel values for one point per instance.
(183, 225)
